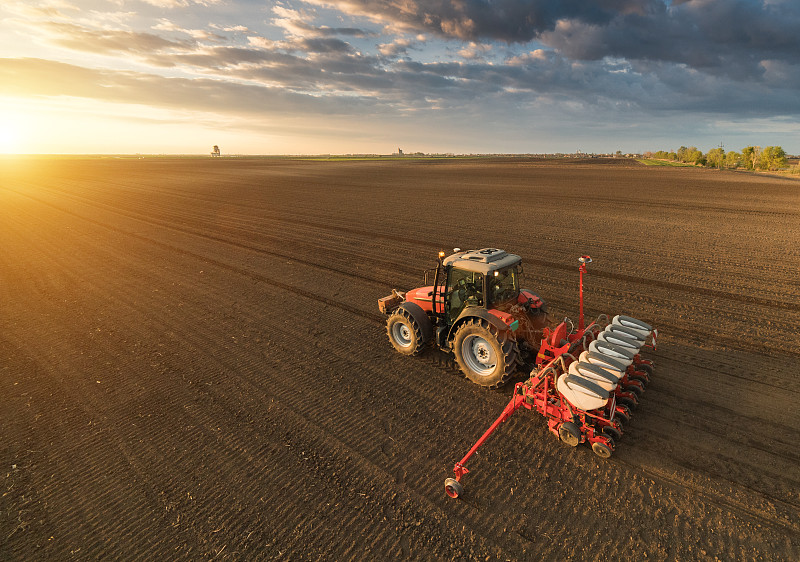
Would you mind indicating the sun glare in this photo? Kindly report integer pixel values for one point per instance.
(10, 128)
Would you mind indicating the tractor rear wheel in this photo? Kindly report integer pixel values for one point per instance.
(486, 356)
(405, 333)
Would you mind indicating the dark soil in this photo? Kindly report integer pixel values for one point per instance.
(193, 366)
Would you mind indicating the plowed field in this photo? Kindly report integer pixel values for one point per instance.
(193, 365)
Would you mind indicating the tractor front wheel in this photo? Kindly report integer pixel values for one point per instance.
(486, 356)
(405, 333)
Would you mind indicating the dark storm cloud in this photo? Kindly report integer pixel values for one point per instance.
(504, 20)
(608, 84)
(726, 36)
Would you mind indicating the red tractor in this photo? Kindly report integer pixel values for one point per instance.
(475, 309)
(585, 381)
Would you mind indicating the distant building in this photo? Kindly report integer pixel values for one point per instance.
(399, 151)
(215, 151)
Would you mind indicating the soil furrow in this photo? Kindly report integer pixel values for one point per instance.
(604, 274)
(735, 343)
(193, 365)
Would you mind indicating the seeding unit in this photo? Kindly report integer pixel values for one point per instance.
(588, 398)
(586, 381)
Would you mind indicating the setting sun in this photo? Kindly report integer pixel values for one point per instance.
(10, 133)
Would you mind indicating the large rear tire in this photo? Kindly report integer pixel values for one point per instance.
(486, 356)
(404, 333)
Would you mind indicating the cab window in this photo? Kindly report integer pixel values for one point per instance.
(504, 285)
(464, 288)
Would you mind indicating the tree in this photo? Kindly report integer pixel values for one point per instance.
(751, 156)
(773, 158)
(715, 157)
(694, 156)
(733, 159)
(690, 155)
(779, 158)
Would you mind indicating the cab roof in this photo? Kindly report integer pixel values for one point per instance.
(482, 261)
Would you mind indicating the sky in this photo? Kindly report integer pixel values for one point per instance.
(369, 76)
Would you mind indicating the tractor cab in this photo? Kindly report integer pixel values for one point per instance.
(481, 278)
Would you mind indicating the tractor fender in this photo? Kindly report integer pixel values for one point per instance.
(468, 313)
(421, 317)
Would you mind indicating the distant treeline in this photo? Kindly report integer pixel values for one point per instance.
(750, 158)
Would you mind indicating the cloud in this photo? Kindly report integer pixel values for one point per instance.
(296, 23)
(108, 41)
(617, 60)
(310, 45)
(199, 34)
(320, 45)
(38, 77)
(503, 20)
(230, 28)
(395, 48)
(172, 4)
(42, 9)
(532, 57)
(724, 36)
(305, 29)
(475, 51)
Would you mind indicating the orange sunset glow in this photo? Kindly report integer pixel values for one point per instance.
(177, 76)
(399, 280)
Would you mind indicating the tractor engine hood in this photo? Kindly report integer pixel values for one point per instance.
(423, 296)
